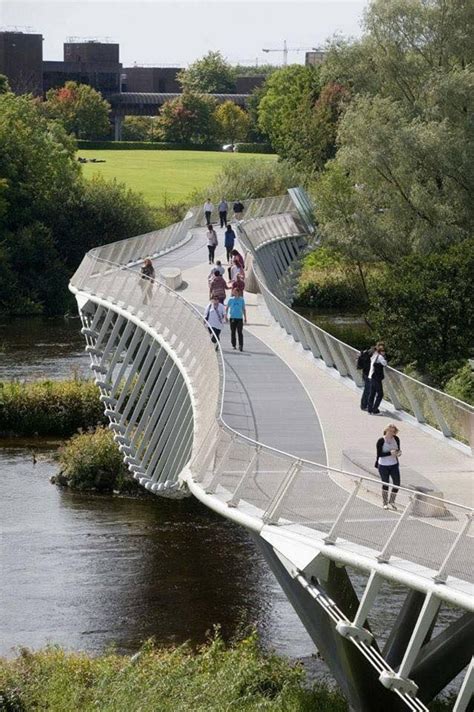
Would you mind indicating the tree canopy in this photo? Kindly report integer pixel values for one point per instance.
(233, 122)
(81, 110)
(189, 118)
(211, 74)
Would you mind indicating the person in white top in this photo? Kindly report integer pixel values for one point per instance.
(217, 267)
(215, 317)
(388, 452)
(212, 242)
(208, 208)
(223, 207)
(235, 269)
(376, 376)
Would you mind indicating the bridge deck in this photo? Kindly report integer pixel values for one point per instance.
(345, 427)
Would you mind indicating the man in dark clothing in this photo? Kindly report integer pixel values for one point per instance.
(238, 210)
(376, 376)
(229, 240)
(363, 364)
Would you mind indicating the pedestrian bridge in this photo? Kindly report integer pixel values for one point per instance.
(273, 439)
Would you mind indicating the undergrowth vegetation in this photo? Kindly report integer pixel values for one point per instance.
(49, 408)
(214, 678)
(92, 461)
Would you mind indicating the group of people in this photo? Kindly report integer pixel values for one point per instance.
(372, 362)
(217, 311)
(223, 209)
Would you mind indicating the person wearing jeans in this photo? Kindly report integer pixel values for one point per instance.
(236, 314)
(388, 452)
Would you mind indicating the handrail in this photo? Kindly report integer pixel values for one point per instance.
(277, 496)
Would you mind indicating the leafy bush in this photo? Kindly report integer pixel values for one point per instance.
(255, 178)
(329, 295)
(461, 385)
(92, 461)
(254, 148)
(146, 145)
(51, 408)
(212, 679)
(423, 307)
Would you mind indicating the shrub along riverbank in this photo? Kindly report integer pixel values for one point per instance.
(216, 677)
(49, 408)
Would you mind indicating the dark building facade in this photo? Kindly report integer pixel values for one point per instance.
(151, 79)
(246, 85)
(93, 63)
(21, 60)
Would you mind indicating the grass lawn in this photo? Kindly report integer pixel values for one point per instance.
(163, 175)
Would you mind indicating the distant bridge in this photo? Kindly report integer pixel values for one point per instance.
(150, 103)
(273, 438)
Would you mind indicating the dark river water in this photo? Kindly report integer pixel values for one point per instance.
(88, 572)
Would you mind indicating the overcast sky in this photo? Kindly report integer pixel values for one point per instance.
(174, 32)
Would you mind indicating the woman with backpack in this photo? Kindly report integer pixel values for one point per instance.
(212, 243)
(388, 452)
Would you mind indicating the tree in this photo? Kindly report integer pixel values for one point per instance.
(81, 110)
(190, 118)
(424, 309)
(233, 122)
(289, 93)
(209, 75)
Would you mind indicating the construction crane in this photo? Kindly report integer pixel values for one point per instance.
(287, 49)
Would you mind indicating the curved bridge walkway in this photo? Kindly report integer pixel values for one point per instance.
(161, 383)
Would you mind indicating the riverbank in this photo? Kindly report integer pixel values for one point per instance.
(215, 677)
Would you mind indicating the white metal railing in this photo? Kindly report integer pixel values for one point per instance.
(283, 489)
(449, 415)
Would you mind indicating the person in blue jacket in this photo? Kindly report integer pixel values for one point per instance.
(236, 315)
(229, 241)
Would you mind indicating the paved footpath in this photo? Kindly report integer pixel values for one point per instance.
(281, 394)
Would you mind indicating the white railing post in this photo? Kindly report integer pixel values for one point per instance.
(442, 574)
(272, 514)
(385, 554)
(331, 538)
(235, 499)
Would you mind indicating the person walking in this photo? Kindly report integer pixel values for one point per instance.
(229, 241)
(208, 208)
(147, 274)
(376, 376)
(236, 314)
(217, 287)
(218, 266)
(235, 269)
(388, 452)
(223, 207)
(215, 317)
(363, 364)
(239, 282)
(238, 208)
(240, 261)
(212, 243)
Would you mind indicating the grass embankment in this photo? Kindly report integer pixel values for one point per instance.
(49, 408)
(213, 679)
(164, 176)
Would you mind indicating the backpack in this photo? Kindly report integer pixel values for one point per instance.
(363, 361)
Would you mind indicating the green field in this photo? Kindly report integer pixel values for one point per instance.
(163, 175)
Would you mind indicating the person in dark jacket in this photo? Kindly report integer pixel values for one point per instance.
(223, 208)
(238, 208)
(229, 241)
(376, 376)
(388, 452)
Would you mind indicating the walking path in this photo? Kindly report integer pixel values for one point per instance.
(281, 395)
